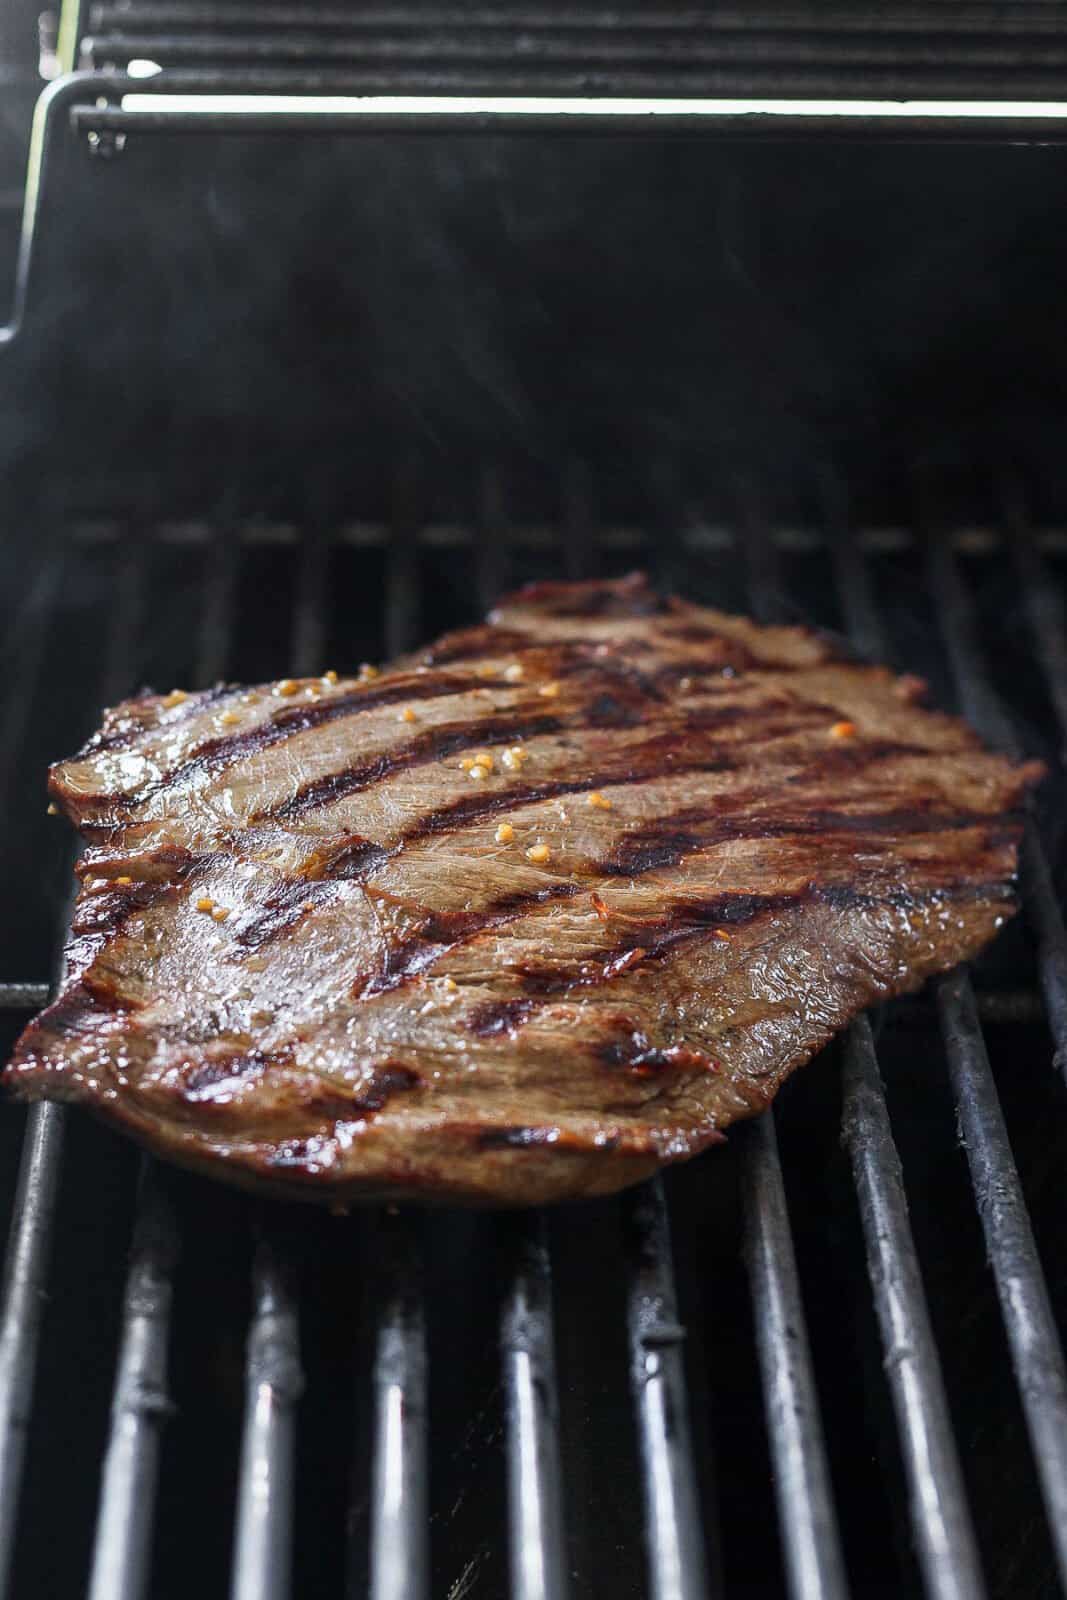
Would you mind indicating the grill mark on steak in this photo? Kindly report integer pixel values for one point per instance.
(606, 711)
(211, 1079)
(441, 933)
(499, 1016)
(436, 744)
(650, 940)
(216, 754)
(668, 840)
(653, 847)
(623, 700)
(121, 738)
(214, 1080)
(631, 769)
(645, 1060)
(622, 704)
(661, 844)
(518, 1138)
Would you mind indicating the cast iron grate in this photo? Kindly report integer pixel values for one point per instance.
(390, 1523)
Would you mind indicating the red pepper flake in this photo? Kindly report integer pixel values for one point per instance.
(600, 908)
(843, 730)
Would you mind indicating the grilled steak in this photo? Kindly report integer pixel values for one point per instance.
(515, 920)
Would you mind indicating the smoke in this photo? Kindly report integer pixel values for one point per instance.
(275, 318)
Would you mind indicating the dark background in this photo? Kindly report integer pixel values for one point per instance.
(285, 326)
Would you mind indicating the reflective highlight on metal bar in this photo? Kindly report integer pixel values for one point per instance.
(1032, 1334)
(273, 1386)
(399, 1553)
(140, 1405)
(23, 996)
(943, 1532)
(940, 1515)
(402, 563)
(415, 105)
(25, 1274)
(806, 1512)
(673, 1525)
(527, 1342)
(216, 617)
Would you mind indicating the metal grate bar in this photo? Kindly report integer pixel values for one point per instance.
(982, 705)
(309, 630)
(1043, 602)
(1046, 923)
(761, 555)
(1024, 1303)
(399, 1548)
(862, 618)
(535, 1513)
(308, 643)
(814, 1562)
(402, 565)
(140, 1404)
(911, 19)
(1032, 1333)
(492, 537)
(216, 617)
(273, 1385)
(673, 1526)
(980, 702)
(131, 574)
(579, 541)
(943, 1531)
(802, 1481)
(689, 530)
(23, 996)
(24, 1296)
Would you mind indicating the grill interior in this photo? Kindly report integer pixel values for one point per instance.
(390, 1395)
(821, 1361)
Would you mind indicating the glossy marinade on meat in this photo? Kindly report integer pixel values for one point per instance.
(519, 918)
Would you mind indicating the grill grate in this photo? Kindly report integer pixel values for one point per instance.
(905, 50)
(679, 1509)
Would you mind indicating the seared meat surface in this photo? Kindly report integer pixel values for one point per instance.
(519, 918)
